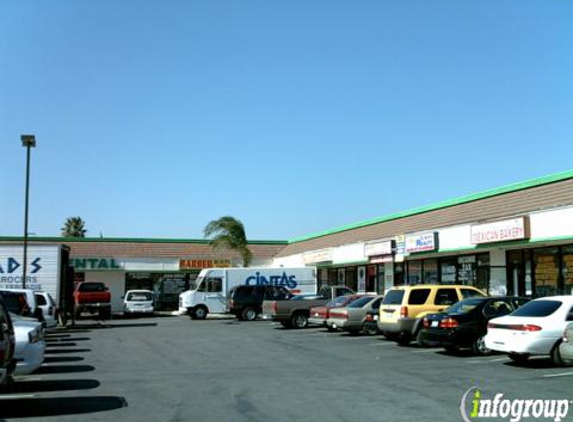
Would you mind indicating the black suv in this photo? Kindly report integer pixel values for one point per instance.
(246, 302)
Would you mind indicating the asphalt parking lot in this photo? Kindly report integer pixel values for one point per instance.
(175, 369)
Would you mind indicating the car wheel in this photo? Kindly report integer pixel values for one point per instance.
(368, 330)
(299, 320)
(479, 347)
(201, 312)
(556, 355)
(404, 339)
(518, 357)
(452, 348)
(331, 329)
(419, 340)
(249, 314)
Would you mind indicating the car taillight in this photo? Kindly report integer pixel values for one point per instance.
(515, 327)
(339, 314)
(369, 317)
(404, 312)
(448, 323)
(231, 303)
(274, 307)
(327, 313)
(426, 323)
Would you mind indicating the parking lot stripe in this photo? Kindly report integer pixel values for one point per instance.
(16, 396)
(426, 351)
(563, 374)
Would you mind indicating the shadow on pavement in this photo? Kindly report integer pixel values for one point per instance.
(132, 325)
(53, 352)
(60, 359)
(63, 340)
(61, 344)
(26, 408)
(54, 385)
(64, 369)
(535, 363)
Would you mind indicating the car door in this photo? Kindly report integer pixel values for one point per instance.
(214, 297)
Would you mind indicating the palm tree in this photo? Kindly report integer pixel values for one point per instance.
(228, 232)
(74, 227)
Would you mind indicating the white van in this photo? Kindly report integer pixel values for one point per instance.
(213, 286)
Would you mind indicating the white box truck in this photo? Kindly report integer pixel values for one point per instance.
(213, 285)
(47, 271)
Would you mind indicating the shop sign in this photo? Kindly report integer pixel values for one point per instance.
(400, 244)
(379, 248)
(381, 259)
(199, 264)
(422, 242)
(95, 264)
(324, 255)
(500, 231)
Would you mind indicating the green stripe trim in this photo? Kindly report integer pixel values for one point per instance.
(126, 240)
(514, 187)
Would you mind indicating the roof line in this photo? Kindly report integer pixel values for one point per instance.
(513, 187)
(126, 240)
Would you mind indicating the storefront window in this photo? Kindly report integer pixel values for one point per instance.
(568, 270)
(333, 277)
(322, 277)
(351, 278)
(431, 271)
(467, 270)
(414, 272)
(381, 283)
(166, 287)
(546, 271)
(448, 267)
(371, 278)
(398, 274)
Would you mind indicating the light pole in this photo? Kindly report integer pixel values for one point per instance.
(28, 141)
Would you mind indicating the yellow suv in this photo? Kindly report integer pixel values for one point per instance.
(404, 307)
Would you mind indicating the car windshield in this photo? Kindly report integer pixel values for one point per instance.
(360, 302)
(139, 296)
(464, 307)
(538, 308)
(338, 301)
(393, 297)
(91, 287)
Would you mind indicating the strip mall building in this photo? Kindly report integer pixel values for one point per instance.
(517, 239)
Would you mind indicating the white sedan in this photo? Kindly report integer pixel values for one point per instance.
(566, 347)
(534, 329)
(30, 345)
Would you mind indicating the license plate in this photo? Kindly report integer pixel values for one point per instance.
(435, 324)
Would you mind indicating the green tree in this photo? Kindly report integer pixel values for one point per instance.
(228, 232)
(74, 227)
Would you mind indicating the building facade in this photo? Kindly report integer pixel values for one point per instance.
(517, 239)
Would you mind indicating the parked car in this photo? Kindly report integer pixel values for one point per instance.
(30, 345)
(47, 304)
(7, 345)
(352, 317)
(534, 329)
(403, 307)
(31, 307)
(246, 302)
(295, 312)
(138, 302)
(566, 346)
(92, 297)
(319, 314)
(464, 324)
(370, 326)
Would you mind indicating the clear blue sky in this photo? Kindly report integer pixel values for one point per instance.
(154, 117)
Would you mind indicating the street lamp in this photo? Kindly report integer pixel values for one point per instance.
(28, 141)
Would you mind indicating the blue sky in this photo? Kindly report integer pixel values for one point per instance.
(154, 117)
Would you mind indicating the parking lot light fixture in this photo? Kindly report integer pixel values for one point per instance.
(28, 141)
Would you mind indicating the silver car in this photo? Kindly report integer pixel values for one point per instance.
(352, 317)
(566, 346)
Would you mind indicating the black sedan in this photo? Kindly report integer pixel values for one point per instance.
(464, 324)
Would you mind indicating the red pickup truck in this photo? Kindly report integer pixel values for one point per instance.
(92, 297)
